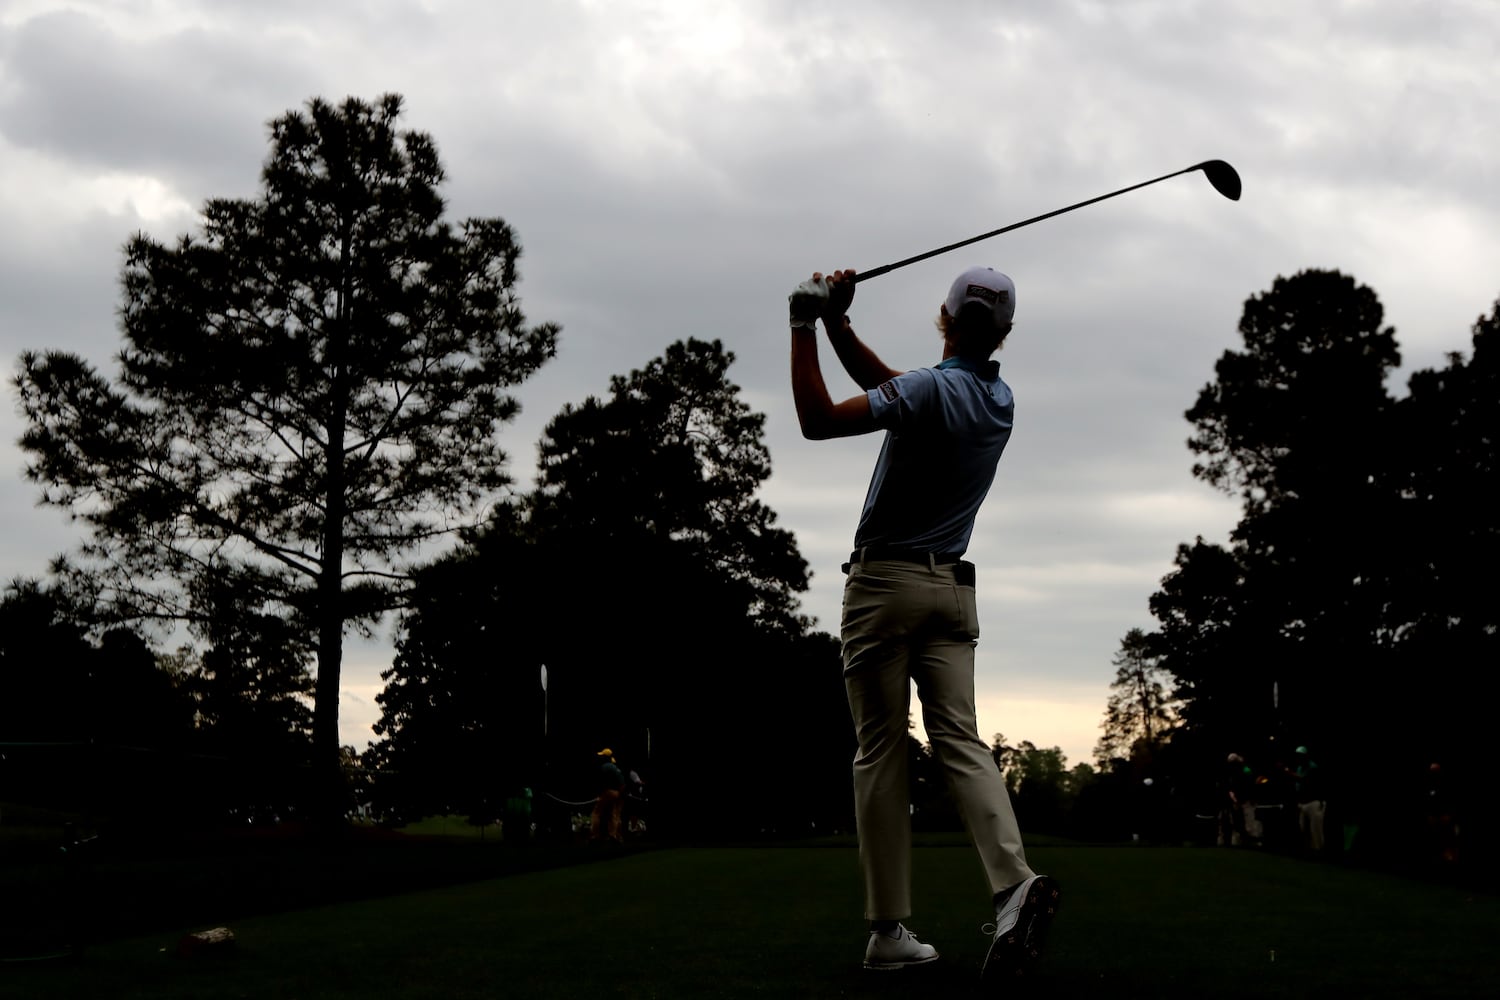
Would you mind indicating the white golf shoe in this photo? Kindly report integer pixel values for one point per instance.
(1020, 929)
(897, 951)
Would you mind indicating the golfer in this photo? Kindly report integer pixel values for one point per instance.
(909, 611)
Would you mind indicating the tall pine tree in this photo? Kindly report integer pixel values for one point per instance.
(309, 391)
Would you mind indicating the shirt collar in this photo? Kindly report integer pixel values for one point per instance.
(989, 370)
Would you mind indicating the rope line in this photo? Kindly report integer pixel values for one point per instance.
(586, 802)
(589, 802)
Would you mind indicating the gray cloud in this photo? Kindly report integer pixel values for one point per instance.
(173, 107)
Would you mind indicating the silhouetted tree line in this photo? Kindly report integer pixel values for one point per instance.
(641, 572)
(661, 599)
(1353, 609)
(114, 728)
(308, 395)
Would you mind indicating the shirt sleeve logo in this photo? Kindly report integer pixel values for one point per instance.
(889, 391)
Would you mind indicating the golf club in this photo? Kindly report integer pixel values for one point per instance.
(1220, 174)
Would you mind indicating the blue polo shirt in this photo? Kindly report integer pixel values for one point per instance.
(945, 430)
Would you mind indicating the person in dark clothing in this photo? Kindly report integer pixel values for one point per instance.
(1237, 820)
(610, 800)
(1312, 800)
(1442, 820)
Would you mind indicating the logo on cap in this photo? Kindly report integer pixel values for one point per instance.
(986, 294)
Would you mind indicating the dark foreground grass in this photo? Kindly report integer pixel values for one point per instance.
(116, 886)
(784, 922)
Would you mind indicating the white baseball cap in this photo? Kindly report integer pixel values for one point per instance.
(987, 286)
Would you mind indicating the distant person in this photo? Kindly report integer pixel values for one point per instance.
(1274, 806)
(635, 803)
(909, 607)
(1442, 820)
(609, 801)
(1312, 800)
(1237, 820)
(518, 825)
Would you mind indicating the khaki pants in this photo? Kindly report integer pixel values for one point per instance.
(905, 622)
(1310, 822)
(606, 818)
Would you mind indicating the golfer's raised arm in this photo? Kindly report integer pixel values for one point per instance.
(817, 414)
(862, 364)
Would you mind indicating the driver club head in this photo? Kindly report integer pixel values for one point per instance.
(1222, 176)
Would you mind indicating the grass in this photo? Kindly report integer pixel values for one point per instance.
(784, 922)
(126, 881)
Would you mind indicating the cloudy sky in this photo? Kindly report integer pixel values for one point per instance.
(674, 168)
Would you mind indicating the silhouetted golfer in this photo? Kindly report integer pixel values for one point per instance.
(909, 609)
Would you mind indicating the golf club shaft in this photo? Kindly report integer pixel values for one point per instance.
(884, 268)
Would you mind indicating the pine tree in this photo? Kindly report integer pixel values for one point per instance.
(309, 392)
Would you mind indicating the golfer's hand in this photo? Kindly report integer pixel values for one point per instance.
(840, 295)
(808, 301)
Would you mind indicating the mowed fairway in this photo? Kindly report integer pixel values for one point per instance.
(784, 922)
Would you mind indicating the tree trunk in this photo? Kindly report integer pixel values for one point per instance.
(327, 772)
(328, 784)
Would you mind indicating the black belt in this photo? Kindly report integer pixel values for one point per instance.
(873, 553)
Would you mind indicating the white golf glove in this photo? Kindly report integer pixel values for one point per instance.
(807, 302)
